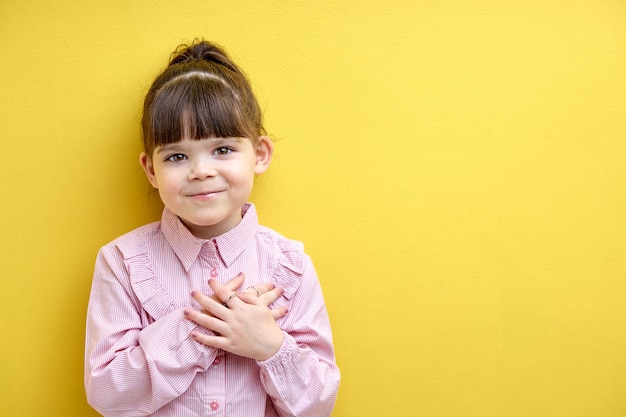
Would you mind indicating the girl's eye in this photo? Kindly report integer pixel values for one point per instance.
(223, 150)
(176, 157)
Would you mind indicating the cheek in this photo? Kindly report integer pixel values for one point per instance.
(166, 183)
(169, 187)
(241, 174)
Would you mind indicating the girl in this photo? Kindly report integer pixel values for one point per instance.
(167, 333)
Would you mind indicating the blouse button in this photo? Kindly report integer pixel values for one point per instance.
(213, 272)
(217, 361)
(214, 405)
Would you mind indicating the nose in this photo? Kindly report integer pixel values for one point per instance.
(201, 169)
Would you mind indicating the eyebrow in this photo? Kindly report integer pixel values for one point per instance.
(219, 141)
(167, 148)
(174, 147)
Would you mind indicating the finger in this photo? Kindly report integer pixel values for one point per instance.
(234, 283)
(230, 297)
(280, 312)
(210, 306)
(249, 298)
(209, 322)
(261, 288)
(225, 295)
(210, 340)
(272, 295)
(253, 290)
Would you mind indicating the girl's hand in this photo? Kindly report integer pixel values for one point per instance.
(244, 325)
(266, 292)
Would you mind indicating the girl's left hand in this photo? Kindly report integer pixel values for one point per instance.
(244, 325)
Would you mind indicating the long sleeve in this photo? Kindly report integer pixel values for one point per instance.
(302, 378)
(133, 364)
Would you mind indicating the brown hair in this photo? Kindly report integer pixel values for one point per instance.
(201, 94)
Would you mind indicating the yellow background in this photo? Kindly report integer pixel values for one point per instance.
(455, 169)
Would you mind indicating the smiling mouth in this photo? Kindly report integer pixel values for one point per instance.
(205, 195)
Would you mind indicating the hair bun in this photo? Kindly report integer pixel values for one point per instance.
(201, 50)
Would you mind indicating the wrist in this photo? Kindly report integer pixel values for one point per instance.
(271, 348)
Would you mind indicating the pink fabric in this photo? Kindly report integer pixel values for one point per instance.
(140, 358)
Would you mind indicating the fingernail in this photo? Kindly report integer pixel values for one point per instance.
(193, 293)
(186, 312)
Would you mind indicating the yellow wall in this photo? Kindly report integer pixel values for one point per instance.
(455, 168)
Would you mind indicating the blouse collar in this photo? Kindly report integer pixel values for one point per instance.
(227, 246)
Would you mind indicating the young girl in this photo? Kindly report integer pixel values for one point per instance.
(168, 333)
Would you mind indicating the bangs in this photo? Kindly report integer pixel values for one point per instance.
(196, 106)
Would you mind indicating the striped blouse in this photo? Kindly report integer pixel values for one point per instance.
(140, 359)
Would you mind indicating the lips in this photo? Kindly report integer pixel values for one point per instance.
(204, 195)
(205, 192)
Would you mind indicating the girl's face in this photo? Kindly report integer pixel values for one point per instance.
(206, 182)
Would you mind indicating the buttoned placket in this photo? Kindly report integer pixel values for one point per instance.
(210, 260)
(215, 375)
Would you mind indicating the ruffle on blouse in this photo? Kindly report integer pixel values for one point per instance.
(290, 266)
(155, 299)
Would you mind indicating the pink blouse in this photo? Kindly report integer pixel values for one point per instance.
(140, 358)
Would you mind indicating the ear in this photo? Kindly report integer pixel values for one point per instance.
(264, 152)
(146, 163)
